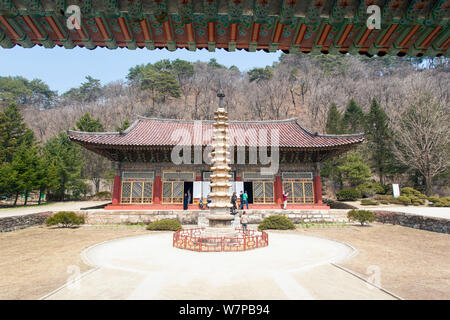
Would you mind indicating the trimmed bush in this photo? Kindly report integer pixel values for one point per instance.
(277, 222)
(368, 202)
(165, 224)
(362, 216)
(443, 202)
(411, 192)
(103, 195)
(349, 194)
(370, 189)
(433, 199)
(403, 200)
(65, 219)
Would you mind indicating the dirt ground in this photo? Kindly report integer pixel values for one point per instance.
(413, 264)
(37, 260)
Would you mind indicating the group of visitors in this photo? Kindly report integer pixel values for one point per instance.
(243, 197)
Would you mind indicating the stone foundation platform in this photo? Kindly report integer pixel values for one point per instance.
(199, 217)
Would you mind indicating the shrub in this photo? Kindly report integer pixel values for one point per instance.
(103, 195)
(65, 219)
(403, 200)
(433, 199)
(443, 202)
(411, 192)
(349, 194)
(370, 189)
(362, 216)
(277, 222)
(384, 201)
(165, 224)
(368, 202)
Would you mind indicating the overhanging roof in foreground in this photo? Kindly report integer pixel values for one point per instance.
(147, 133)
(408, 27)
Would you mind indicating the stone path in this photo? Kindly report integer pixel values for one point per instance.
(56, 206)
(148, 267)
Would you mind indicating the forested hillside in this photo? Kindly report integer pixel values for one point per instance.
(401, 103)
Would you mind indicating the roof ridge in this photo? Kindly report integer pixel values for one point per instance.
(140, 118)
(86, 133)
(326, 135)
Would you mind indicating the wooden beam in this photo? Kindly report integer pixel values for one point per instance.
(101, 26)
(233, 32)
(145, 30)
(255, 32)
(277, 34)
(345, 34)
(168, 30)
(388, 34)
(54, 27)
(301, 34)
(324, 35)
(410, 34)
(189, 32)
(9, 27)
(30, 24)
(364, 37)
(211, 32)
(428, 39)
(124, 28)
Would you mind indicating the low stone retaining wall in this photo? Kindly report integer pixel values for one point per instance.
(441, 225)
(192, 217)
(184, 217)
(22, 222)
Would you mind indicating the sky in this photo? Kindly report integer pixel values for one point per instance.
(63, 69)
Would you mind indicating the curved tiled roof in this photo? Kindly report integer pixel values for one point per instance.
(150, 132)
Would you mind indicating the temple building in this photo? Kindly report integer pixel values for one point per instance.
(157, 161)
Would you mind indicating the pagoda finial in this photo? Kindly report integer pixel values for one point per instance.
(220, 94)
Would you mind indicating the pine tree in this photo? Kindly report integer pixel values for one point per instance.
(88, 124)
(13, 132)
(353, 120)
(125, 124)
(25, 165)
(67, 161)
(379, 138)
(334, 120)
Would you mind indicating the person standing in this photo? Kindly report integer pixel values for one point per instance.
(241, 200)
(244, 221)
(245, 198)
(185, 202)
(285, 195)
(233, 203)
(189, 196)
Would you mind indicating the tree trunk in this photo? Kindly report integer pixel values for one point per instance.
(15, 200)
(428, 185)
(26, 198)
(40, 194)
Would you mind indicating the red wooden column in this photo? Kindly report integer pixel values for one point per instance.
(116, 189)
(157, 190)
(317, 187)
(278, 186)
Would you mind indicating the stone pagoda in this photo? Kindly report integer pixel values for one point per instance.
(219, 217)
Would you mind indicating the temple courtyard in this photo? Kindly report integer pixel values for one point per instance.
(129, 262)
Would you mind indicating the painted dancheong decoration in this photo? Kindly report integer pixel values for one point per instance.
(407, 27)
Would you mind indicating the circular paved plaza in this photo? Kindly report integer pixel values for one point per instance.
(148, 267)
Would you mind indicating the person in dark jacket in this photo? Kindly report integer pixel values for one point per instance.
(185, 202)
(241, 198)
(233, 203)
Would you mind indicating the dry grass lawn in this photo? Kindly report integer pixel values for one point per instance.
(414, 264)
(35, 261)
